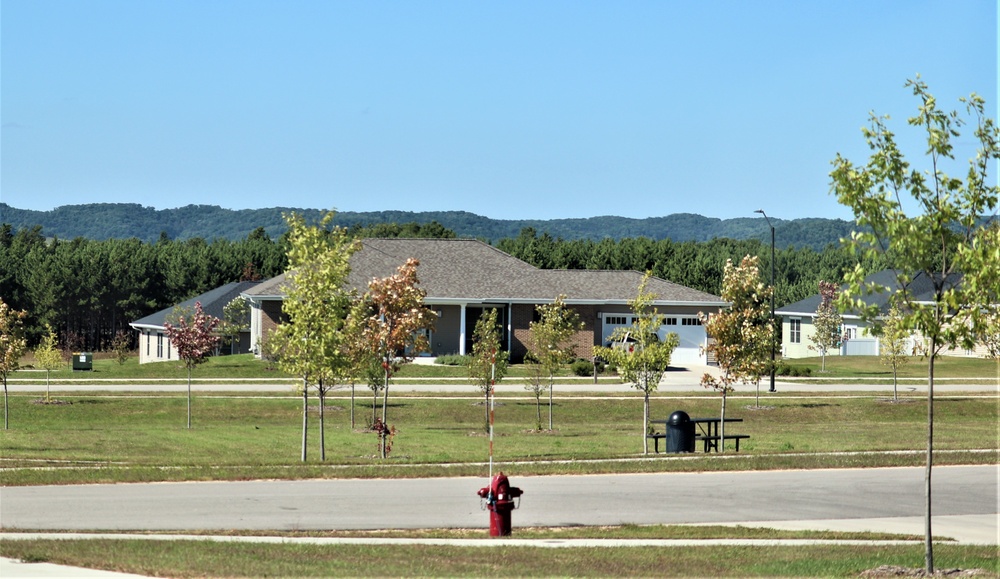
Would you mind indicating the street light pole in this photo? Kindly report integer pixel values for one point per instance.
(761, 211)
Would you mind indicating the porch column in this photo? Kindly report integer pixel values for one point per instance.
(510, 326)
(461, 330)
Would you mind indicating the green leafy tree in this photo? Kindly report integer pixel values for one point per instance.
(827, 323)
(537, 382)
(488, 364)
(12, 347)
(741, 334)
(194, 339)
(931, 247)
(893, 336)
(548, 340)
(121, 345)
(317, 305)
(643, 360)
(360, 359)
(235, 319)
(982, 280)
(395, 327)
(49, 357)
(365, 363)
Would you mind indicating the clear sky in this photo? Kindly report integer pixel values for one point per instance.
(538, 109)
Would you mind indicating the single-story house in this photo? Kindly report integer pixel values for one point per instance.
(154, 344)
(797, 320)
(464, 277)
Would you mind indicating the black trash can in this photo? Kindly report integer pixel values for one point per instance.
(680, 432)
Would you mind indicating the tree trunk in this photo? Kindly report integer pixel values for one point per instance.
(305, 416)
(189, 397)
(645, 421)
(352, 405)
(5, 403)
(47, 395)
(538, 410)
(385, 403)
(722, 425)
(487, 416)
(895, 393)
(550, 402)
(928, 538)
(322, 422)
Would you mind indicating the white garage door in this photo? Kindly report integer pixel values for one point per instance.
(692, 335)
(688, 329)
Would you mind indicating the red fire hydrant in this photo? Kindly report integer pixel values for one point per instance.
(500, 501)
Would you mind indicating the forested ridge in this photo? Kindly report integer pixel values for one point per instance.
(88, 290)
(101, 221)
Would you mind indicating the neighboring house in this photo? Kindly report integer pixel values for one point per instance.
(797, 320)
(463, 277)
(154, 345)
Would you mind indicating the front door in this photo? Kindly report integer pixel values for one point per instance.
(472, 315)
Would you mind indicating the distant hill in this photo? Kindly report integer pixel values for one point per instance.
(124, 220)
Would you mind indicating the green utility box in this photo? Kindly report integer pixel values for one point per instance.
(83, 361)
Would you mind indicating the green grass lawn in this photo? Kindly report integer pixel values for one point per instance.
(135, 436)
(869, 367)
(245, 366)
(208, 559)
(139, 436)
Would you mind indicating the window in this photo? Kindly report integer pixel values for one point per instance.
(159, 345)
(616, 320)
(795, 330)
(669, 321)
(149, 338)
(690, 322)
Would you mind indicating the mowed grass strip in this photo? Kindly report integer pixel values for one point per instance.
(210, 559)
(627, 531)
(245, 366)
(139, 438)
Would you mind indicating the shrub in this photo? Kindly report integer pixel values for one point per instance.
(452, 360)
(582, 367)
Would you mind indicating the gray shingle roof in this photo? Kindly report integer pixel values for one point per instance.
(921, 289)
(212, 303)
(468, 269)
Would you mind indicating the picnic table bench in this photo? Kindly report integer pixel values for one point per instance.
(707, 432)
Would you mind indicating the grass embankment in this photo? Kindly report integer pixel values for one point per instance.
(113, 438)
(239, 367)
(246, 367)
(870, 369)
(208, 559)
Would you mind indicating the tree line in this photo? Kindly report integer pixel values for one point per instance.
(89, 291)
(797, 271)
(125, 220)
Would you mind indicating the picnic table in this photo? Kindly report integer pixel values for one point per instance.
(707, 431)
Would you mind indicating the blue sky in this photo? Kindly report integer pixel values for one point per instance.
(539, 110)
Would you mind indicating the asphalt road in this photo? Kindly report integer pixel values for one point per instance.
(872, 499)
